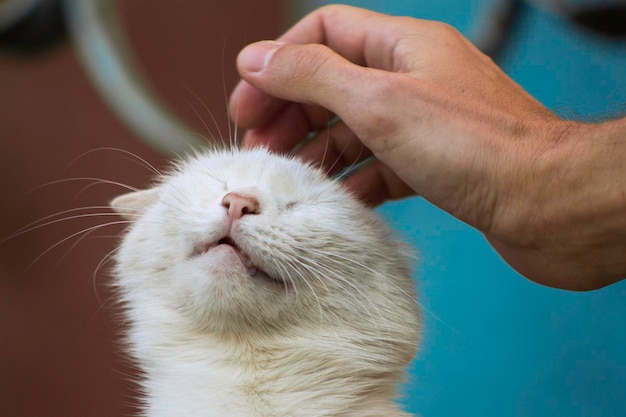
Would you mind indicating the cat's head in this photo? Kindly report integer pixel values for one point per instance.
(254, 242)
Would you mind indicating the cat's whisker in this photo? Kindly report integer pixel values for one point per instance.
(208, 140)
(105, 260)
(95, 180)
(206, 127)
(409, 296)
(99, 226)
(284, 274)
(337, 160)
(326, 145)
(134, 156)
(375, 320)
(360, 265)
(23, 228)
(321, 280)
(98, 182)
(329, 124)
(313, 270)
(73, 245)
(333, 272)
(210, 113)
(231, 139)
(354, 163)
(38, 225)
(235, 122)
(308, 284)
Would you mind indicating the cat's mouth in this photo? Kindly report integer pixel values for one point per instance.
(252, 270)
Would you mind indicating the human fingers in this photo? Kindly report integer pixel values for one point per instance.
(315, 75)
(361, 36)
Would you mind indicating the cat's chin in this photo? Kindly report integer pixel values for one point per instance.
(227, 252)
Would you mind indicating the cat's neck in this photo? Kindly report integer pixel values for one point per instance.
(196, 374)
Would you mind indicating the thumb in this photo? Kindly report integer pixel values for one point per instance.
(311, 74)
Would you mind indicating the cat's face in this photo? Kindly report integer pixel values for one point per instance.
(240, 239)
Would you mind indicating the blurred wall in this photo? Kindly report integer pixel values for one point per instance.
(59, 337)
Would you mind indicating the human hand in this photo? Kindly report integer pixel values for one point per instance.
(442, 120)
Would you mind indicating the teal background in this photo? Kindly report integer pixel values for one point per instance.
(496, 344)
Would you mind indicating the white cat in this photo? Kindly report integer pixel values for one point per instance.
(255, 286)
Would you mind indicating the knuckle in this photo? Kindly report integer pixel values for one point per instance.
(377, 113)
(306, 61)
(434, 34)
(443, 30)
(332, 9)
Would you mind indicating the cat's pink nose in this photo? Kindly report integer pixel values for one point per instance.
(239, 205)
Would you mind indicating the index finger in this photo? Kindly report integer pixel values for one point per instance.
(361, 36)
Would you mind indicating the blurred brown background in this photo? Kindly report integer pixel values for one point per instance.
(59, 335)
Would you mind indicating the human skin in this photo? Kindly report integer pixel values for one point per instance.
(443, 122)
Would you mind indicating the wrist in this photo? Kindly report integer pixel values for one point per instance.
(564, 220)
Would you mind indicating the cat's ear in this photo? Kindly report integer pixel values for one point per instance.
(132, 205)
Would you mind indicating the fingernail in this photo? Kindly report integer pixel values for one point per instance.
(255, 57)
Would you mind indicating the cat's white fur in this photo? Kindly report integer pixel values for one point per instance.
(330, 337)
